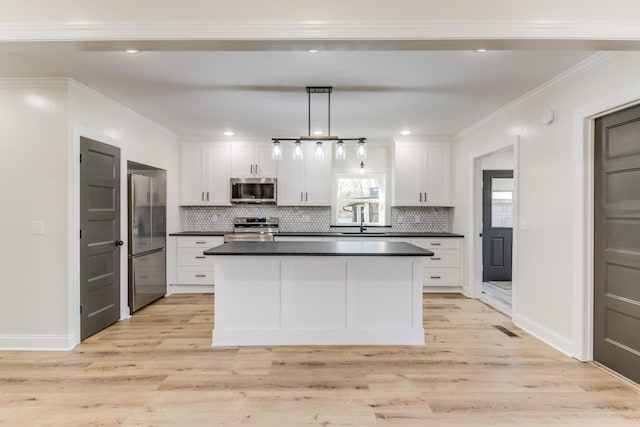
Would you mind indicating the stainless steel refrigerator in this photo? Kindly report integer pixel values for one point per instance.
(147, 237)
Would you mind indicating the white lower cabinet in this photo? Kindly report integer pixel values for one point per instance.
(442, 271)
(195, 271)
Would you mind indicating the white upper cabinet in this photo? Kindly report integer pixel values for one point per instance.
(305, 182)
(421, 173)
(252, 160)
(205, 173)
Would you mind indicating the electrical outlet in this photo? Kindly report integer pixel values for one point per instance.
(416, 219)
(400, 219)
(306, 218)
(524, 224)
(214, 218)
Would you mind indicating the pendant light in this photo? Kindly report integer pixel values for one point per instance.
(319, 150)
(276, 150)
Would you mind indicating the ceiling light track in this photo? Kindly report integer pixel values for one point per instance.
(276, 152)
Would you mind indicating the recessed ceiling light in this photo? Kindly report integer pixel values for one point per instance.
(405, 132)
(228, 133)
(313, 51)
(481, 50)
(132, 51)
(317, 132)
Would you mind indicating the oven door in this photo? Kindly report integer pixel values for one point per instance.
(248, 237)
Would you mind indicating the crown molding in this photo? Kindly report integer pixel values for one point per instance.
(357, 30)
(580, 68)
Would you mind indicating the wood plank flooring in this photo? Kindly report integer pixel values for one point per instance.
(158, 368)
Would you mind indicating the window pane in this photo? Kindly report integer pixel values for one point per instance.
(501, 202)
(360, 197)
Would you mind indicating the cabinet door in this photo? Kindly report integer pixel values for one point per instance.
(218, 173)
(437, 174)
(193, 174)
(317, 177)
(290, 188)
(242, 164)
(266, 167)
(408, 174)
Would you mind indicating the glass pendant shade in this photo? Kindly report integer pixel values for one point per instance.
(276, 150)
(340, 151)
(362, 150)
(318, 152)
(297, 150)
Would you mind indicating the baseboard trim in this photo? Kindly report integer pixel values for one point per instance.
(545, 335)
(36, 342)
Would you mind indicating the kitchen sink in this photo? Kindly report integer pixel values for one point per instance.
(357, 233)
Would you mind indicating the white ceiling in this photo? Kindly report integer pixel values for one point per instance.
(200, 94)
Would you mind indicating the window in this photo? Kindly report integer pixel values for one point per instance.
(358, 197)
(501, 202)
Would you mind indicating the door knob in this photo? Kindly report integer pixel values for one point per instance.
(119, 243)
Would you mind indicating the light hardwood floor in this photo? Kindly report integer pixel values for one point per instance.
(158, 368)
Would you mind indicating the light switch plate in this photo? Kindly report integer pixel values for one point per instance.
(37, 227)
(524, 225)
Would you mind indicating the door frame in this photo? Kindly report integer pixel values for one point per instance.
(583, 213)
(474, 261)
(73, 240)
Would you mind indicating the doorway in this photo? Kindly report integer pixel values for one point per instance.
(494, 213)
(497, 238)
(99, 236)
(616, 246)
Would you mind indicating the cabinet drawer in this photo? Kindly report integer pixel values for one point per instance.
(443, 259)
(442, 277)
(204, 242)
(435, 244)
(190, 277)
(194, 257)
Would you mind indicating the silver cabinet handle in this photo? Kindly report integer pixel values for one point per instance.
(306, 197)
(200, 243)
(200, 257)
(201, 275)
(435, 259)
(301, 196)
(436, 244)
(420, 196)
(251, 169)
(435, 277)
(203, 196)
(207, 196)
(256, 169)
(425, 197)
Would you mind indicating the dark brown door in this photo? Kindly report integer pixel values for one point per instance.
(99, 236)
(497, 227)
(617, 242)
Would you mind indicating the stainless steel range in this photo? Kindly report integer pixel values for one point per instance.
(258, 229)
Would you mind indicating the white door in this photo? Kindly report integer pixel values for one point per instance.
(408, 174)
(242, 164)
(193, 174)
(437, 174)
(290, 186)
(317, 177)
(218, 173)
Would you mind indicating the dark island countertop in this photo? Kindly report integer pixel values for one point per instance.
(326, 234)
(319, 249)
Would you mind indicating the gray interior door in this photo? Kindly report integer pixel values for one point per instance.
(497, 227)
(99, 236)
(617, 242)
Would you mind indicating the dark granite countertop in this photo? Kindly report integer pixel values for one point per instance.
(324, 234)
(200, 233)
(319, 249)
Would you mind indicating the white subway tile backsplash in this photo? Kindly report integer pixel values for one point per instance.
(311, 219)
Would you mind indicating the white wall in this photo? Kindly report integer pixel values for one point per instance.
(500, 160)
(33, 171)
(40, 124)
(546, 189)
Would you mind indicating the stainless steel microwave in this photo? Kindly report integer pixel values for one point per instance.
(253, 190)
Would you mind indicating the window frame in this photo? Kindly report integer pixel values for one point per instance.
(384, 173)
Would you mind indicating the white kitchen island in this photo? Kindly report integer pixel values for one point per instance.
(318, 293)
